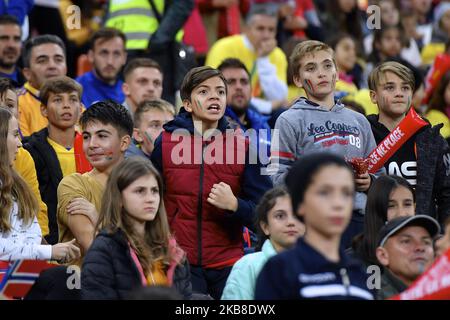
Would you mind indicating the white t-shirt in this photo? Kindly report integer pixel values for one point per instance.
(23, 241)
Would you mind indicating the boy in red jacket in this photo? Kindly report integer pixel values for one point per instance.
(212, 184)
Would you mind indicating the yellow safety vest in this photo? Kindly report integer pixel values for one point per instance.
(135, 18)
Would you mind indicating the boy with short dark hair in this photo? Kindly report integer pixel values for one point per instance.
(143, 80)
(107, 128)
(53, 148)
(320, 124)
(212, 187)
(424, 159)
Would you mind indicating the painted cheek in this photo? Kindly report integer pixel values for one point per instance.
(109, 155)
(308, 85)
(198, 105)
(148, 137)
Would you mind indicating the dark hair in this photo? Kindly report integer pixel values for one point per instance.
(5, 85)
(375, 216)
(140, 63)
(106, 34)
(38, 41)
(61, 84)
(288, 48)
(261, 9)
(267, 202)
(447, 222)
(334, 39)
(109, 112)
(437, 101)
(348, 22)
(447, 45)
(195, 77)
(6, 19)
(378, 35)
(353, 105)
(303, 171)
(233, 63)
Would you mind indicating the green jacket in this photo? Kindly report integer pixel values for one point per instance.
(390, 285)
(242, 280)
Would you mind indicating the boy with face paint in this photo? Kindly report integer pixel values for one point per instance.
(107, 128)
(423, 158)
(318, 123)
(212, 187)
(149, 118)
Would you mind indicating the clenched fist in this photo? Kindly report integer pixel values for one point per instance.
(222, 197)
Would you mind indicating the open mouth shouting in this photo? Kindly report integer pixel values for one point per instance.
(214, 108)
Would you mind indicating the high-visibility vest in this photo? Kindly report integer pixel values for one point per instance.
(135, 18)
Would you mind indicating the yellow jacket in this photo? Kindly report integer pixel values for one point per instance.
(234, 47)
(24, 165)
(430, 51)
(31, 119)
(344, 86)
(363, 98)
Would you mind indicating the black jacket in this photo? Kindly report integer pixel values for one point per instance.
(433, 169)
(304, 273)
(49, 176)
(109, 272)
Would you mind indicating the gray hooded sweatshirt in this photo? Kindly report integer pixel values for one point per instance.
(308, 127)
